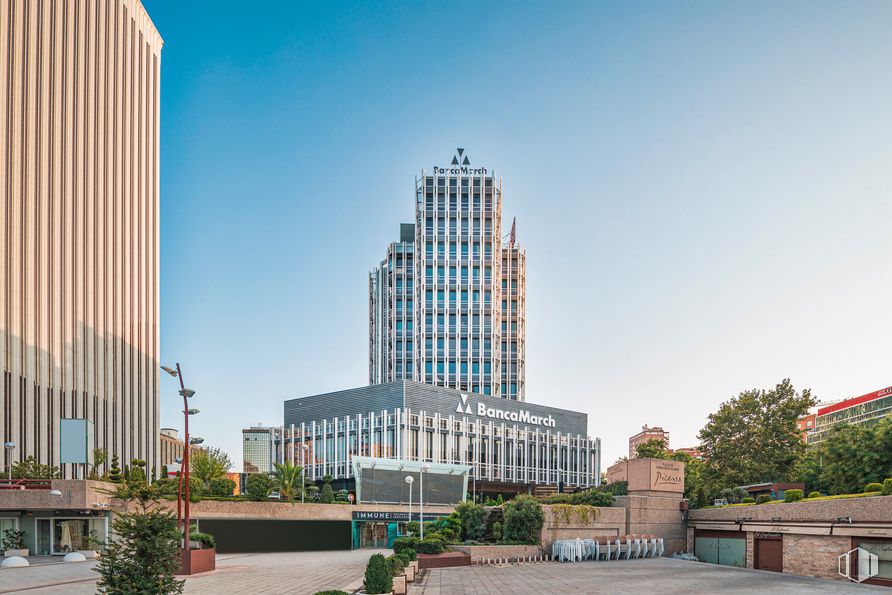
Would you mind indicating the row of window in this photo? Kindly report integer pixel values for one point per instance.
(454, 248)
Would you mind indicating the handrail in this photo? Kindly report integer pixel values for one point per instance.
(26, 484)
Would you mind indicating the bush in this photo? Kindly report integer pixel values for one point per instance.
(589, 497)
(496, 515)
(887, 487)
(497, 531)
(472, 518)
(221, 487)
(378, 578)
(397, 565)
(412, 545)
(258, 486)
(523, 520)
(873, 487)
(331, 592)
(792, 495)
(205, 539)
(733, 495)
(763, 499)
(13, 540)
(748, 500)
(342, 496)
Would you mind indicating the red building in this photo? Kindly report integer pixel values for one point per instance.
(647, 433)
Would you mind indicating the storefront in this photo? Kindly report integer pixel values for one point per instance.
(58, 532)
(380, 529)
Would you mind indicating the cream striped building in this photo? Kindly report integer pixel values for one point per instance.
(79, 122)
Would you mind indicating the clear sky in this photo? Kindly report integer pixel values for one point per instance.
(704, 190)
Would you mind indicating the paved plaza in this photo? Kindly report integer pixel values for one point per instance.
(304, 573)
(661, 575)
(295, 573)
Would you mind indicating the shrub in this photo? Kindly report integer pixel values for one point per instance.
(205, 539)
(331, 592)
(378, 578)
(733, 495)
(497, 531)
(342, 496)
(792, 495)
(397, 565)
(813, 495)
(404, 544)
(873, 487)
(591, 497)
(13, 540)
(221, 487)
(472, 518)
(748, 500)
(258, 486)
(763, 499)
(887, 487)
(523, 520)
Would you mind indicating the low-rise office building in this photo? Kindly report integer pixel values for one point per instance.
(511, 446)
(866, 409)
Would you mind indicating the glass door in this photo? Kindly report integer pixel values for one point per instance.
(44, 539)
(69, 535)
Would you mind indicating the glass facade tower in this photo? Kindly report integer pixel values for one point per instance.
(447, 306)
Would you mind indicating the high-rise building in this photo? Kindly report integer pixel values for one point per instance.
(646, 434)
(259, 449)
(447, 306)
(79, 123)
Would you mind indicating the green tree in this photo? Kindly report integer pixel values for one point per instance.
(851, 456)
(222, 487)
(523, 519)
(326, 496)
(100, 456)
(137, 471)
(258, 486)
(754, 438)
(473, 520)
(655, 448)
(287, 479)
(114, 474)
(694, 490)
(208, 463)
(144, 555)
(31, 469)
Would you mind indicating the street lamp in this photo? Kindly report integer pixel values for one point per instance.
(182, 494)
(410, 480)
(9, 446)
(425, 467)
(303, 469)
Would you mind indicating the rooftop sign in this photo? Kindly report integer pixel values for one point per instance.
(521, 416)
(461, 166)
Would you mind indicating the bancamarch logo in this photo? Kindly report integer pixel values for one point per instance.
(522, 416)
(461, 166)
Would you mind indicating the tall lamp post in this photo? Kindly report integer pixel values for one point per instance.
(183, 494)
(9, 447)
(410, 480)
(303, 468)
(425, 467)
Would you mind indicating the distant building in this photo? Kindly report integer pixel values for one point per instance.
(647, 433)
(693, 451)
(259, 448)
(806, 424)
(171, 446)
(866, 409)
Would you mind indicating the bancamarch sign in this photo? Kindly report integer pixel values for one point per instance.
(522, 416)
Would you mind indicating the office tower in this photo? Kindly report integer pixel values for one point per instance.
(79, 215)
(463, 323)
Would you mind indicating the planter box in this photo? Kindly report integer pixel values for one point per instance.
(23, 553)
(410, 573)
(444, 560)
(201, 561)
(400, 585)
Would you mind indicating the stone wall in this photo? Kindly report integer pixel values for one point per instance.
(814, 555)
(212, 509)
(600, 522)
(648, 514)
(862, 510)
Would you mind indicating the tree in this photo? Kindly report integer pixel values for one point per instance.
(694, 489)
(523, 519)
(851, 456)
(31, 469)
(208, 463)
(100, 456)
(326, 496)
(655, 448)
(137, 471)
(114, 474)
(144, 555)
(223, 487)
(473, 520)
(258, 486)
(287, 479)
(754, 438)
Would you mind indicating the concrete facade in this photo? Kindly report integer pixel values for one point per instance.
(79, 227)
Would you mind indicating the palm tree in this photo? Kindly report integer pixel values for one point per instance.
(286, 478)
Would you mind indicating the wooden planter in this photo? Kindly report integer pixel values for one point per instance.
(201, 561)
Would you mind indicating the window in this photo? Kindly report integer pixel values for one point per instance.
(440, 296)
(440, 343)
(487, 367)
(452, 366)
(428, 368)
(440, 367)
(451, 299)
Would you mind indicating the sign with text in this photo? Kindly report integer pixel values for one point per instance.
(399, 516)
(666, 476)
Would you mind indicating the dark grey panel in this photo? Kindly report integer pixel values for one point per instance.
(407, 232)
(344, 402)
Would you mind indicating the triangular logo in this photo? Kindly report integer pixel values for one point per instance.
(468, 409)
(466, 162)
(455, 161)
(460, 151)
(458, 409)
(467, 406)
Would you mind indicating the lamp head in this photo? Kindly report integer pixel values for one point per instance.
(192, 411)
(170, 371)
(9, 445)
(426, 467)
(187, 392)
(56, 493)
(196, 440)
(410, 480)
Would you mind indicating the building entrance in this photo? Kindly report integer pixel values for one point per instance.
(379, 535)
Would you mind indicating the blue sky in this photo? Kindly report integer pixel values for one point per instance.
(704, 191)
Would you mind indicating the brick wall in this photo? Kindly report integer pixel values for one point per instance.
(814, 555)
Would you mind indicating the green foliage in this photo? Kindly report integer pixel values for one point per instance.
(114, 474)
(792, 495)
(748, 500)
(496, 515)
(326, 496)
(137, 471)
(13, 540)
(655, 448)
(497, 531)
(813, 495)
(523, 520)
(472, 519)
(430, 545)
(145, 552)
(887, 487)
(331, 592)
(100, 456)
(31, 469)
(851, 456)
(208, 464)
(617, 488)
(397, 565)
(221, 487)
(733, 495)
(287, 478)
(378, 576)
(763, 499)
(590, 497)
(873, 487)
(205, 539)
(342, 496)
(258, 486)
(754, 438)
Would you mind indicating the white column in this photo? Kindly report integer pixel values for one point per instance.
(313, 451)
